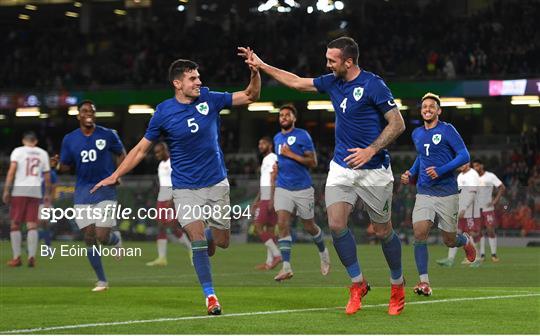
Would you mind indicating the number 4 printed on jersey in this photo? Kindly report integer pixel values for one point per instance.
(343, 105)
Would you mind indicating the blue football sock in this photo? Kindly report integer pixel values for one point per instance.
(95, 261)
(113, 239)
(201, 262)
(45, 234)
(391, 247)
(319, 240)
(461, 240)
(208, 234)
(421, 257)
(285, 245)
(346, 249)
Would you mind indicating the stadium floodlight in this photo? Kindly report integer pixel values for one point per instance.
(73, 110)
(453, 101)
(469, 106)
(524, 100)
(2, 117)
(320, 105)
(261, 106)
(30, 7)
(140, 109)
(71, 14)
(400, 105)
(24, 17)
(77, 4)
(267, 5)
(339, 5)
(120, 12)
(43, 115)
(181, 8)
(225, 112)
(104, 114)
(310, 9)
(27, 112)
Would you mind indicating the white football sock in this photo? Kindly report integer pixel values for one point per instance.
(287, 266)
(359, 278)
(493, 245)
(269, 256)
(424, 278)
(482, 245)
(273, 247)
(162, 248)
(32, 242)
(452, 253)
(16, 239)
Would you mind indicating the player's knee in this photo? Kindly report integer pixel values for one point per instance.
(31, 226)
(90, 240)
(420, 235)
(382, 231)
(15, 227)
(449, 241)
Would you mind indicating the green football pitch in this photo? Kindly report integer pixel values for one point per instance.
(55, 297)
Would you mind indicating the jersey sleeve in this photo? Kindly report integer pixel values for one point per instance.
(54, 176)
(415, 167)
(15, 155)
(458, 146)
(307, 143)
(66, 157)
(116, 144)
(381, 96)
(220, 100)
(46, 163)
(495, 180)
(154, 126)
(322, 83)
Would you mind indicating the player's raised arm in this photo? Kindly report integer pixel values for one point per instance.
(462, 154)
(252, 92)
(133, 158)
(284, 77)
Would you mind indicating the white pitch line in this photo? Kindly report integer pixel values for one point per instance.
(271, 312)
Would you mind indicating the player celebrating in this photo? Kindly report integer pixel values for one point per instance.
(440, 150)
(190, 123)
(28, 164)
(90, 150)
(265, 216)
(296, 154)
(165, 207)
(487, 203)
(367, 121)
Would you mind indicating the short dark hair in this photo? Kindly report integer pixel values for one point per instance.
(86, 101)
(348, 47)
(478, 161)
(178, 67)
(289, 107)
(29, 135)
(267, 139)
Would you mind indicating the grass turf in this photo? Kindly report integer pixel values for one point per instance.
(57, 293)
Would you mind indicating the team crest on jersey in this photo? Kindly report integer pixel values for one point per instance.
(436, 138)
(203, 108)
(358, 93)
(101, 143)
(291, 140)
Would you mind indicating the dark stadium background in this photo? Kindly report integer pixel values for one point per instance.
(116, 53)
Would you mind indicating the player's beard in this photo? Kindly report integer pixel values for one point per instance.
(286, 127)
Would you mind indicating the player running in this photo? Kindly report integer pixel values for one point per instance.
(22, 191)
(294, 191)
(367, 121)
(190, 123)
(440, 150)
(263, 205)
(93, 151)
(469, 214)
(166, 212)
(488, 181)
